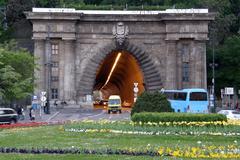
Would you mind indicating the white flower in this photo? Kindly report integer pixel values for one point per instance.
(235, 141)
(199, 142)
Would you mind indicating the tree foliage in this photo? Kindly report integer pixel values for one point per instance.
(16, 72)
(228, 69)
(151, 102)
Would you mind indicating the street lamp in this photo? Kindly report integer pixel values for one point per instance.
(48, 64)
(213, 65)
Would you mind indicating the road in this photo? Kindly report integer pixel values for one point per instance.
(78, 114)
(92, 114)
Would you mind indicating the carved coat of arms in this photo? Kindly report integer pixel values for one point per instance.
(120, 33)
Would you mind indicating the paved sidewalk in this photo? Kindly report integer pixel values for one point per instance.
(41, 118)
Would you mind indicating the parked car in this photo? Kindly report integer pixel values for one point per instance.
(231, 114)
(8, 115)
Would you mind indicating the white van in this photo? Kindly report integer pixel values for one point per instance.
(114, 104)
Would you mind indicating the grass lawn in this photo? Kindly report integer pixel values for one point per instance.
(54, 137)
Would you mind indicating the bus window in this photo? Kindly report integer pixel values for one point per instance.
(176, 95)
(181, 96)
(198, 96)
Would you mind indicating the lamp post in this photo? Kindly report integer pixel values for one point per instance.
(213, 65)
(48, 65)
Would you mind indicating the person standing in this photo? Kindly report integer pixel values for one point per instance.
(32, 114)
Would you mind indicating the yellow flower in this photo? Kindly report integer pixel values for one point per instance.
(161, 151)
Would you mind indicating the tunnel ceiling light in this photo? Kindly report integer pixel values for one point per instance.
(113, 67)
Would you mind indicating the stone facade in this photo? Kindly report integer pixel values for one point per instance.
(167, 46)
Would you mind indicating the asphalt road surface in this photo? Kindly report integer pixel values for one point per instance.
(90, 114)
(77, 114)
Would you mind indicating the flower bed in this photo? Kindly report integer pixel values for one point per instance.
(230, 128)
(202, 151)
(29, 124)
(151, 133)
(73, 150)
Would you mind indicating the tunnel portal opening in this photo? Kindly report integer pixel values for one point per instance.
(116, 75)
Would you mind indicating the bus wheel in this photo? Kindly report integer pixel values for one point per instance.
(109, 111)
(120, 111)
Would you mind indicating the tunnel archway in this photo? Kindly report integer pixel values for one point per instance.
(117, 75)
(150, 72)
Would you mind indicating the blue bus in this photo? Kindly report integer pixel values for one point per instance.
(188, 100)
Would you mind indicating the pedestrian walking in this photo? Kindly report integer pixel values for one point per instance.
(31, 114)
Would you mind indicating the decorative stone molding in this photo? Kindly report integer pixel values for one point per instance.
(120, 33)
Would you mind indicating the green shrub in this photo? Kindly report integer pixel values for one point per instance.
(151, 102)
(176, 117)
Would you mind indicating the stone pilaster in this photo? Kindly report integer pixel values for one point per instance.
(171, 69)
(179, 65)
(47, 64)
(39, 74)
(69, 70)
(200, 64)
(61, 69)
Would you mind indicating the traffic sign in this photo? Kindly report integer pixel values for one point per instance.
(34, 97)
(43, 103)
(162, 90)
(135, 89)
(43, 98)
(43, 93)
(229, 91)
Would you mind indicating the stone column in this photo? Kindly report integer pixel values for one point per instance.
(69, 71)
(200, 64)
(47, 64)
(192, 66)
(171, 70)
(179, 64)
(39, 74)
(61, 69)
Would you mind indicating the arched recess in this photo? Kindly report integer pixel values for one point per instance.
(152, 79)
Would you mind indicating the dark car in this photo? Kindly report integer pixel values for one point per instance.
(101, 102)
(8, 115)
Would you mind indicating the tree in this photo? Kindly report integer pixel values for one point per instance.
(151, 102)
(228, 58)
(16, 73)
(3, 2)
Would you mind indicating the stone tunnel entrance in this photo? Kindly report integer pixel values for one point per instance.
(157, 46)
(116, 75)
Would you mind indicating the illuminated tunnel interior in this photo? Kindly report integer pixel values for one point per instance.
(117, 75)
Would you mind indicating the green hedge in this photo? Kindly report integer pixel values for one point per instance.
(151, 102)
(176, 117)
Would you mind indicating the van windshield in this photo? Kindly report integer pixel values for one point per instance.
(114, 101)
